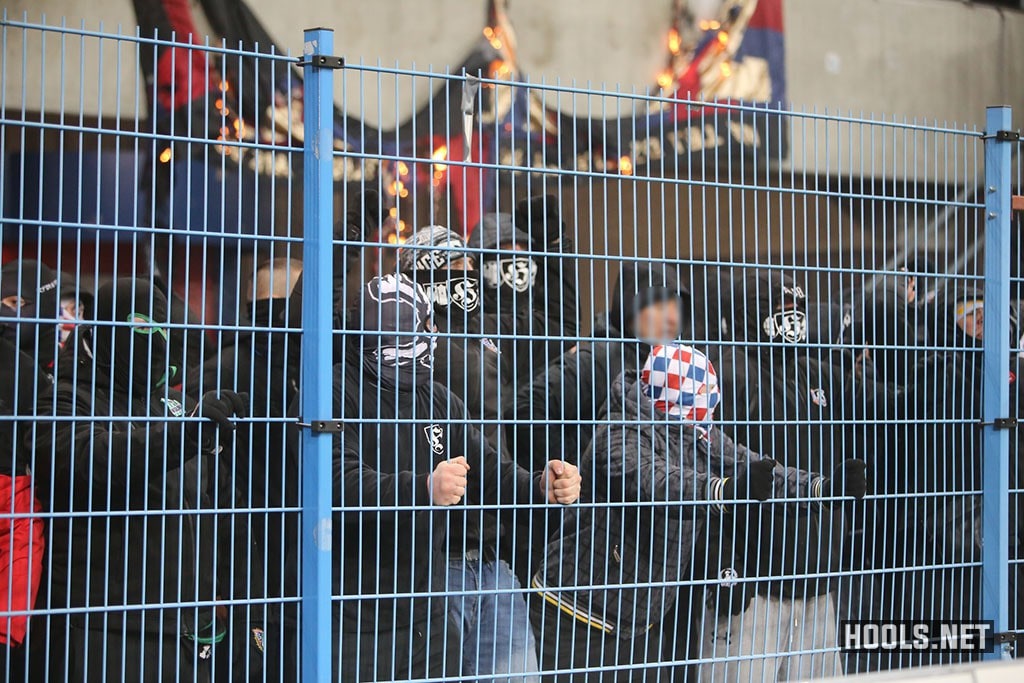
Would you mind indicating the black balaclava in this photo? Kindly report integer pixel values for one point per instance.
(508, 277)
(884, 325)
(771, 313)
(134, 350)
(37, 285)
(455, 294)
(397, 344)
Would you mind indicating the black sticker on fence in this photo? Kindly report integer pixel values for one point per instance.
(917, 636)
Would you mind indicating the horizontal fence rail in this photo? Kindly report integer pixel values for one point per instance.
(541, 382)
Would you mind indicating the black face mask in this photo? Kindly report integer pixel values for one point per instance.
(269, 312)
(39, 289)
(134, 350)
(453, 292)
(508, 280)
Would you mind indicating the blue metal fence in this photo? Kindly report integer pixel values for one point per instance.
(342, 444)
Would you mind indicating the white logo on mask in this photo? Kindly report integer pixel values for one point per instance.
(519, 273)
(819, 398)
(791, 326)
(457, 291)
(728, 577)
(435, 434)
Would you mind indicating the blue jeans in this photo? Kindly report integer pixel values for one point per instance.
(494, 621)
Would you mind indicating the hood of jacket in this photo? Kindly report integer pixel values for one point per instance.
(638, 284)
(769, 313)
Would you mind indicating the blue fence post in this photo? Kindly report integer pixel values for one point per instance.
(996, 439)
(317, 245)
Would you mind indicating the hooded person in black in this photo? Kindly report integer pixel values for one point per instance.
(608, 587)
(264, 363)
(407, 454)
(467, 360)
(28, 291)
(556, 412)
(123, 446)
(783, 400)
(533, 294)
(948, 463)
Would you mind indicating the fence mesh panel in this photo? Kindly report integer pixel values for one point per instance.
(544, 382)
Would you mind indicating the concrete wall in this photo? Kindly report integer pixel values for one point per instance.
(925, 60)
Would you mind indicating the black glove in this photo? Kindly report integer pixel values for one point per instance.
(362, 218)
(218, 408)
(757, 482)
(540, 218)
(848, 479)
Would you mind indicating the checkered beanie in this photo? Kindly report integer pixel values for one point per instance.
(682, 382)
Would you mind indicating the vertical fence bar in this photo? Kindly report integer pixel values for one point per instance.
(318, 220)
(996, 438)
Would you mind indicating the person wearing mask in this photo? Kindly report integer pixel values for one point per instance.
(28, 345)
(529, 282)
(467, 359)
(408, 468)
(558, 411)
(121, 456)
(786, 400)
(658, 471)
(948, 391)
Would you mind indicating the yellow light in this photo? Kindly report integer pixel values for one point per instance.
(403, 168)
(723, 37)
(400, 226)
(674, 41)
(492, 37)
(392, 238)
(225, 86)
(625, 166)
(488, 32)
(397, 187)
(219, 104)
(440, 153)
(403, 193)
(499, 69)
(665, 79)
(704, 25)
(393, 211)
(165, 156)
(714, 25)
(726, 69)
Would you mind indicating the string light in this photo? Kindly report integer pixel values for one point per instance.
(674, 41)
(625, 166)
(492, 37)
(723, 37)
(726, 69)
(440, 153)
(165, 155)
(665, 79)
(403, 168)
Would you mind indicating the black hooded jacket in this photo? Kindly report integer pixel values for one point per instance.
(557, 411)
(538, 320)
(399, 424)
(620, 566)
(114, 458)
(784, 400)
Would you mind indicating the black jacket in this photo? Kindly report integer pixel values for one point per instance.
(103, 460)
(540, 324)
(19, 393)
(389, 538)
(556, 413)
(786, 400)
(617, 565)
